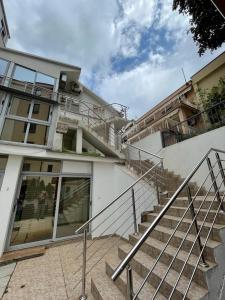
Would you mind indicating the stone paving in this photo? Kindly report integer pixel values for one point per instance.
(5, 274)
(57, 274)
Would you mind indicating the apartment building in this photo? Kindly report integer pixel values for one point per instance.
(181, 105)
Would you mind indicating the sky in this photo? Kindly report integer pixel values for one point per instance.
(130, 51)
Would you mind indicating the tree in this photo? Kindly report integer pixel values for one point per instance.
(207, 24)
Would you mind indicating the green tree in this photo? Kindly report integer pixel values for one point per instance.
(206, 23)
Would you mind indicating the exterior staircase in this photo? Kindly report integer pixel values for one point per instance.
(104, 288)
(178, 250)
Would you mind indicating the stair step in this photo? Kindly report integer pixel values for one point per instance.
(162, 234)
(179, 211)
(183, 202)
(103, 288)
(154, 247)
(172, 221)
(142, 263)
(121, 282)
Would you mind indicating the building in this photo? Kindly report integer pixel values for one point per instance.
(58, 141)
(178, 109)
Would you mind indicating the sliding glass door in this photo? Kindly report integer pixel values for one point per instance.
(73, 205)
(49, 206)
(35, 210)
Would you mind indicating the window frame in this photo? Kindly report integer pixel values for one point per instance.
(2, 171)
(28, 120)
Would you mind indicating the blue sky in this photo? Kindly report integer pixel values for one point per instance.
(130, 51)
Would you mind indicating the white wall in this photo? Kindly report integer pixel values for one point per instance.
(182, 157)
(108, 182)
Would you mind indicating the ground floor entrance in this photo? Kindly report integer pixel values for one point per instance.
(49, 206)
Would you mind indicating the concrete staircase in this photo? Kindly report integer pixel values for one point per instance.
(207, 281)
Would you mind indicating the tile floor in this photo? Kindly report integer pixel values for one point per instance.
(57, 274)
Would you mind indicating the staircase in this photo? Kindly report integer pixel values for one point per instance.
(178, 250)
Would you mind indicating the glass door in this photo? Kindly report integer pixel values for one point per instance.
(35, 210)
(74, 205)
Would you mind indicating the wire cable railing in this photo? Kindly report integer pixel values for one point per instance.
(214, 185)
(118, 219)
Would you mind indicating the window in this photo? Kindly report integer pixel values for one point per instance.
(3, 162)
(27, 121)
(36, 109)
(33, 82)
(36, 165)
(3, 66)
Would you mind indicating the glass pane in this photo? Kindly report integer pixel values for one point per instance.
(45, 81)
(41, 111)
(3, 162)
(73, 206)
(35, 165)
(24, 74)
(14, 131)
(19, 107)
(37, 134)
(3, 66)
(35, 210)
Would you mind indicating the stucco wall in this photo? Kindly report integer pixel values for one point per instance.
(108, 182)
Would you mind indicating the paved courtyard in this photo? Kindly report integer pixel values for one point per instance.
(57, 273)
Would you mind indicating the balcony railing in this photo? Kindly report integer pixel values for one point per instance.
(206, 120)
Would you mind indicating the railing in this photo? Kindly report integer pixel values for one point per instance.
(202, 122)
(29, 87)
(212, 191)
(118, 219)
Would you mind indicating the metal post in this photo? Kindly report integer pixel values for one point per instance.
(193, 215)
(134, 212)
(83, 295)
(220, 167)
(214, 183)
(129, 283)
(139, 155)
(157, 191)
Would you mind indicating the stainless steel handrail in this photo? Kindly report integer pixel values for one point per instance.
(147, 152)
(156, 221)
(117, 198)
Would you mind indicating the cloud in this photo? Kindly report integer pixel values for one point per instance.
(146, 38)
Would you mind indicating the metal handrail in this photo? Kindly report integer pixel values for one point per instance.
(85, 225)
(140, 149)
(156, 221)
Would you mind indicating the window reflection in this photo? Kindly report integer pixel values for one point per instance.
(24, 74)
(19, 107)
(3, 66)
(13, 131)
(37, 134)
(36, 165)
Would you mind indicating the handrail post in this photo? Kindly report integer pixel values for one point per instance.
(193, 215)
(134, 212)
(139, 155)
(214, 183)
(220, 167)
(129, 283)
(83, 295)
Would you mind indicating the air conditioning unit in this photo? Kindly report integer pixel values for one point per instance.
(76, 87)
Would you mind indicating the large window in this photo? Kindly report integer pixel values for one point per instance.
(27, 121)
(32, 82)
(49, 205)
(3, 162)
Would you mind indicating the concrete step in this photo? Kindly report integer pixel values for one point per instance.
(103, 288)
(172, 222)
(153, 248)
(183, 202)
(162, 234)
(142, 263)
(179, 211)
(148, 290)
